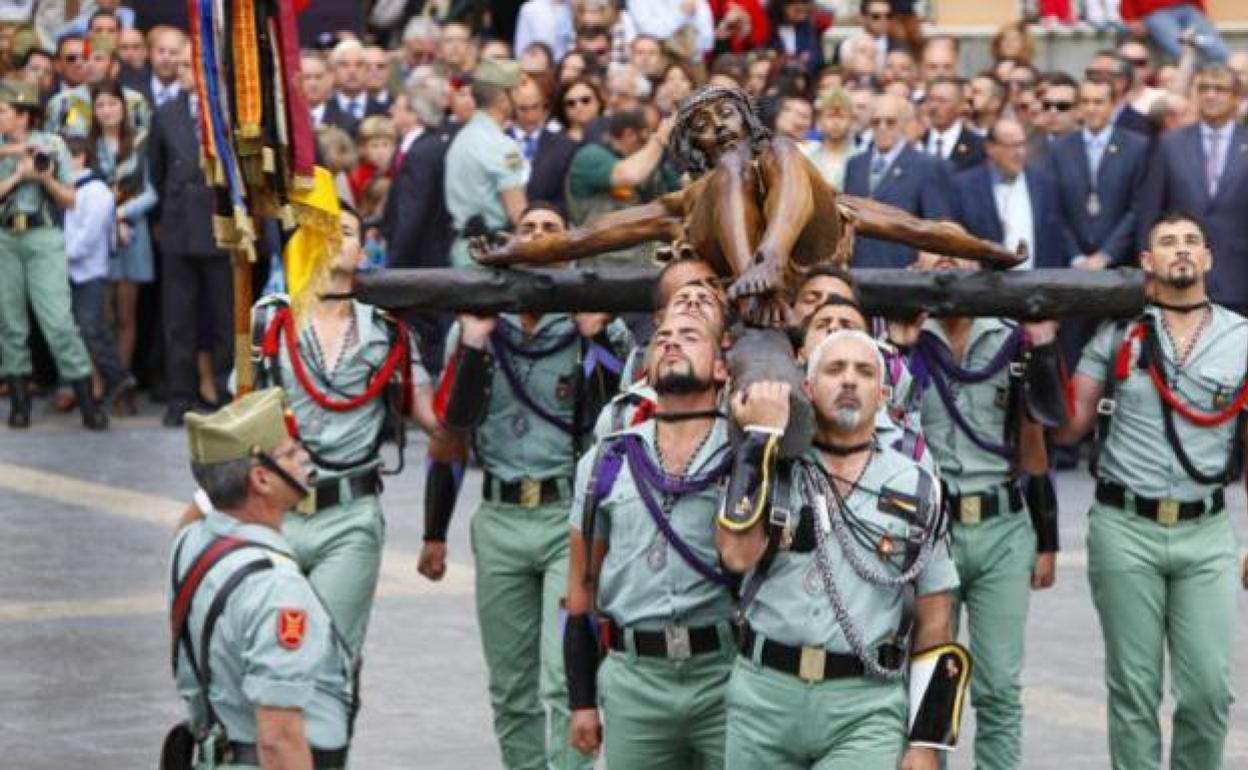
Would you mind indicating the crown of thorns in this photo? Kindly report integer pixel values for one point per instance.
(690, 157)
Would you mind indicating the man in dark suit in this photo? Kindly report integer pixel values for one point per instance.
(948, 138)
(195, 274)
(894, 172)
(1059, 100)
(1100, 170)
(1110, 65)
(346, 62)
(319, 88)
(1006, 201)
(549, 153)
(1202, 170)
(415, 223)
(158, 81)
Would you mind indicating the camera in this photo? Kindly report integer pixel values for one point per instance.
(42, 160)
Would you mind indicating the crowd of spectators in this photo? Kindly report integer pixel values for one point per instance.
(1068, 166)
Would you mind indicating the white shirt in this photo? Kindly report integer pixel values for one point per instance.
(663, 18)
(89, 230)
(318, 115)
(544, 21)
(410, 137)
(348, 103)
(1014, 210)
(162, 93)
(948, 138)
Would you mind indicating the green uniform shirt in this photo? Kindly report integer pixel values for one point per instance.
(964, 467)
(481, 162)
(29, 197)
(644, 582)
(1135, 453)
(513, 442)
(68, 113)
(342, 438)
(792, 607)
(256, 658)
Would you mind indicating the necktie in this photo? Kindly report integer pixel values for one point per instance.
(878, 167)
(939, 150)
(528, 144)
(358, 109)
(1213, 169)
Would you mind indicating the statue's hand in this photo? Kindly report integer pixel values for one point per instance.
(492, 250)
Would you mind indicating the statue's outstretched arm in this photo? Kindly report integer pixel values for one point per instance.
(873, 219)
(659, 220)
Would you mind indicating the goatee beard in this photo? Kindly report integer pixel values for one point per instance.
(846, 418)
(680, 384)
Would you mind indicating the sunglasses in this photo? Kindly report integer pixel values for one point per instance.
(592, 31)
(1058, 106)
(1137, 63)
(582, 101)
(72, 58)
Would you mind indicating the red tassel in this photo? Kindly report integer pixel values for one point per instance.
(645, 410)
(1122, 363)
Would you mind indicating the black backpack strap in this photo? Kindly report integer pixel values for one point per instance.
(1107, 405)
(217, 607)
(781, 529)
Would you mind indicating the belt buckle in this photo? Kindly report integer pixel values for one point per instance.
(812, 664)
(1167, 512)
(971, 509)
(19, 222)
(678, 645)
(530, 493)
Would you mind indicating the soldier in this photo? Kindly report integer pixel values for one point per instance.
(643, 560)
(485, 170)
(36, 181)
(69, 112)
(527, 388)
(849, 572)
(255, 655)
(985, 390)
(1168, 391)
(352, 373)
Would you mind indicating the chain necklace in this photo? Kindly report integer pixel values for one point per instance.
(1181, 354)
(350, 336)
(656, 554)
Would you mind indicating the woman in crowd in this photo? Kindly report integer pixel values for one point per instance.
(1013, 41)
(118, 154)
(793, 33)
(578, 105)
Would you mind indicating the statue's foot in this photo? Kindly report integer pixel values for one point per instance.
(765, 277)
(766, 312)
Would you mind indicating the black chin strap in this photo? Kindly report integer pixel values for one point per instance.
(1192, 308)
(683, 416)
(841, 450)
(267, 461)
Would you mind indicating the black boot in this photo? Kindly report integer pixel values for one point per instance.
(93, 417)
(19, 403)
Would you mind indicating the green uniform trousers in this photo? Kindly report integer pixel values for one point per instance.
(521, 559)
(780, 722)
(33, 268)
(995, 560)
(1156, 587)
(339, 549)
(660, 714)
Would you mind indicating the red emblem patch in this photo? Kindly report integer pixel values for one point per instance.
(291, 626)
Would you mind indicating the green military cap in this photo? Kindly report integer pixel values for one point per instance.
(504, 73)
(16, 92)
(24, 41)
(105, 44)
(252, 424)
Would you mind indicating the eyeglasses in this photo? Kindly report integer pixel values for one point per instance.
(1057, 106)
(574, 101)
(884, 121)
(1216, 88)
(592, 31)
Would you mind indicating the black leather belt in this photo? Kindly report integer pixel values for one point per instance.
(329, 493)
(530, 493)
(1164, 512)
(247, 754)
(974, 508)
(812, 664)
(21, 221)
(674, 642)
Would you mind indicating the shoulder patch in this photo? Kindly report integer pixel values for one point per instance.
(292, 626)
(513, 160)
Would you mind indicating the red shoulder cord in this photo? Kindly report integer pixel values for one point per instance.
(284, 323)
(1122, 367)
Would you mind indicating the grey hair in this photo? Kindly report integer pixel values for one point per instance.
(226, 483)
(422, 28)
(816, 356)
(426, 96)
(691, 158)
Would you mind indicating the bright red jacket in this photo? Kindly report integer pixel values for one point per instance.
(1135, 10)
(760, 28)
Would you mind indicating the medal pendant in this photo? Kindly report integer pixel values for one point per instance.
(1094, 205)
(656, 555)
(519, 425)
